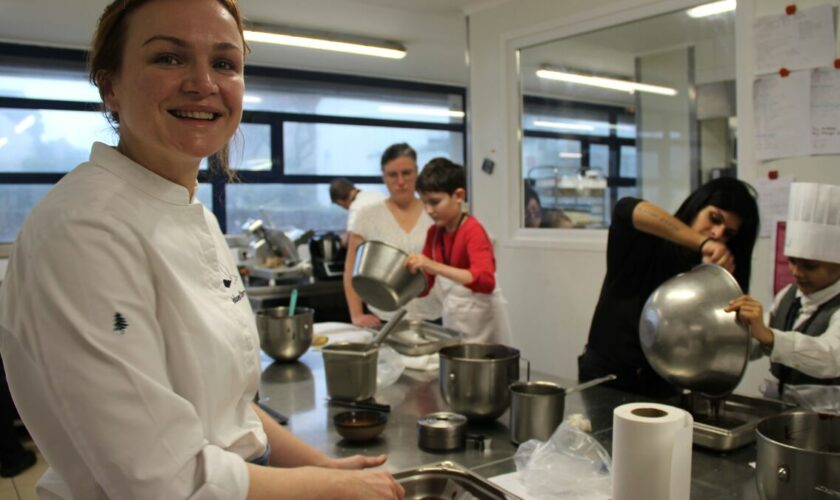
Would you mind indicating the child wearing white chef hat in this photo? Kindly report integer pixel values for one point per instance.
(803, 338)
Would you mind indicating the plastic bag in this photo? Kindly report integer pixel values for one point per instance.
(389, 367)
(819, 398)
(570, 465)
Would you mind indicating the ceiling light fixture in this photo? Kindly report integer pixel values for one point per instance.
(710, 9)
(3, 141)
(295, 37)
(602, 82)
(420, 110)
(571, 156)
(563, 125)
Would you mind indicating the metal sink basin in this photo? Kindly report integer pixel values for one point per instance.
(448, 480)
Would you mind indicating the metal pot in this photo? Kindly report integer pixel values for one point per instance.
(442, 431)
(688, 339)
(474, 378)
(285, 338)
(350, 370)
(536, 408)
(381, 278)
(798, 456)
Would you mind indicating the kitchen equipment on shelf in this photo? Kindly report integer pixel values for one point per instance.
(442, 431)
(688, 339)
(285, 337)
(350, 370)
(328, 256)
(798, 456)
(474, 378)
(417, 338)
(381, 278)
(360, 425)
(536, 407)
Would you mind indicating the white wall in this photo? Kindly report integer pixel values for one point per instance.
(552, 280)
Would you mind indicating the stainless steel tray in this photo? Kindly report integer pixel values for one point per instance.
(448, 480)
(415, 338)
(735, 425)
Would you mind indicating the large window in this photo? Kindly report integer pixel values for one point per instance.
(299, 131)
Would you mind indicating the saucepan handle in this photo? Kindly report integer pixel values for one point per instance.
(527, 367)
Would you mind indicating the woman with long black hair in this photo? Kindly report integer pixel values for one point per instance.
(717, 223)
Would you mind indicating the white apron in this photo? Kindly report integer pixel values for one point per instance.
(481, 317)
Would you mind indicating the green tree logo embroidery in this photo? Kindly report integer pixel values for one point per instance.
(120, 324)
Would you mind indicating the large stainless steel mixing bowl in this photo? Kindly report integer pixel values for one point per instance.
(381, 278)
(687, 337)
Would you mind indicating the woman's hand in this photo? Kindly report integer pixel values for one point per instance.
(419, 262)
(750, 313)
(368, 484)
(367, 321)
(357, 462)
(715, 252)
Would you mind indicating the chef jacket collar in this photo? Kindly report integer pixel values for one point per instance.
(819, 298)
(138, 176)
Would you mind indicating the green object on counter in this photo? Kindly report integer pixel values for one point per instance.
(293, 302)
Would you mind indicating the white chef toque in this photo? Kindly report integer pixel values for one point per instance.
(813, 222)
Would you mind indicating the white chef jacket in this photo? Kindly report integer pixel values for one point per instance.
(814, 356)
(132, 359)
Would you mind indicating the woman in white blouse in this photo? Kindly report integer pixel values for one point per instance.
(399, 220)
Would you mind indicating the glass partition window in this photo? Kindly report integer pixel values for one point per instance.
(298, 133)
(348, 150)
(586, 146)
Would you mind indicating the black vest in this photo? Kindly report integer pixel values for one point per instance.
(814, 326)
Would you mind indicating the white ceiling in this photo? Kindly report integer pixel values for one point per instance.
(433, 31)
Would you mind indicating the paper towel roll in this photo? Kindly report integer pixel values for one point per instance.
(651, 452)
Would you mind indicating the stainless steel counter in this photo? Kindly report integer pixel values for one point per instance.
(298, 390)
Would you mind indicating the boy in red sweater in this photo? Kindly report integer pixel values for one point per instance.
(459, 254)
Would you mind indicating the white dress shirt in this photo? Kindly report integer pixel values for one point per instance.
(130, 346)
(814, 356)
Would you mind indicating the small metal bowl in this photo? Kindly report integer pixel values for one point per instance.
(360, 425)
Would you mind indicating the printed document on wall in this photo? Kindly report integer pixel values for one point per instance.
(825, 111)
(802, 41)
(773, 195)
(782, 115)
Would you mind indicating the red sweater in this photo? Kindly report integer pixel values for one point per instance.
(468, 247)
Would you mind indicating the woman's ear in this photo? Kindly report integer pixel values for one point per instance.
(106, 91)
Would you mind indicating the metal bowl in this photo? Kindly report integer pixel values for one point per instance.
(285, 338)
(381, 278)
(687, 337)
(360, 425)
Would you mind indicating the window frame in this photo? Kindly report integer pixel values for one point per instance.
(276, 120)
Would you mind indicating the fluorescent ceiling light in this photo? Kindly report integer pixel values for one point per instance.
(606, 83)
(3, 141)
(324, 41)
(573, 156)
(420, 110)
(710, 9)
(563, 125)
(251, 99)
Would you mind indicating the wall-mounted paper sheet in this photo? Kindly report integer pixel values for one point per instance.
(825, 111)
(773, 198)
(782, 109)
(802, 41)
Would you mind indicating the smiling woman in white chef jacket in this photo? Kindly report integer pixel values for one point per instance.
(130, 346)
